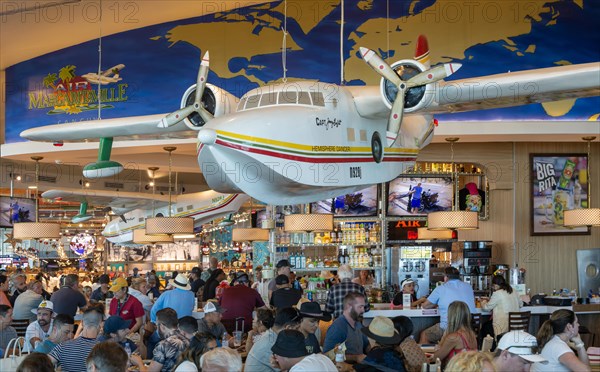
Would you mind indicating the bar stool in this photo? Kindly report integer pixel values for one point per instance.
(519, 321)
(20, 325)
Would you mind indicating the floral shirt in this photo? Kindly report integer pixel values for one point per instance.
(167, 350)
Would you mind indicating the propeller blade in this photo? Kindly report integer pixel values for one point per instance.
(202, 76)
(434, 74)
(395, 119)
(379, 65)
(204, 114)
(175, 117)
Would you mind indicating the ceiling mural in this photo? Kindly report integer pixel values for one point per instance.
(147, 70)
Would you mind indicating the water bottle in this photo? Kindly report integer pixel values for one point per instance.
(340, 356)
(224, 342)
(487, 343)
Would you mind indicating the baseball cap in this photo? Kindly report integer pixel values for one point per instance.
(118, 284)
(196, 270)
(283, 263)
(211, 307)
(47, 305)
(103, 279)
(522, 344)
(406, 281)
(115, 323)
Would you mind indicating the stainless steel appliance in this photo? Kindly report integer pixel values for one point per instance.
(476, 266)
(588, 267)
(410, 261)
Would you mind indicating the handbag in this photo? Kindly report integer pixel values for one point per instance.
(13, 355)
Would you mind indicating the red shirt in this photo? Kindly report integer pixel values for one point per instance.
(240, 301)
(131, 309)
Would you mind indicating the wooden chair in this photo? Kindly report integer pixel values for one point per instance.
(476, 322)
(20, 325)
(519, 321)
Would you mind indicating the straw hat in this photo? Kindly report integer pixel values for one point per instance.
(382, 330)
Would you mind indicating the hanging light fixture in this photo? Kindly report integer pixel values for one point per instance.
(36, 230)
(249, 235)
(304, 222)
(140, 237)
(454, 219)
(169, 225)
(584, 216)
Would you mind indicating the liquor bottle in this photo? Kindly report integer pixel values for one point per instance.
(367, 233)
(339, 234)
(302, 261)
(293, 260)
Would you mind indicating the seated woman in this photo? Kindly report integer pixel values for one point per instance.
(552, 339)
(364, 278)
(384, 355)
(503, 301)
(413, 355)
(459, 335)
(263, 320)
(408, 287)
(311, 316)
(189, 360)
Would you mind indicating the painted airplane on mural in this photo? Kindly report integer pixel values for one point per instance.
(303, 141)
(106, 77)
(133, 208)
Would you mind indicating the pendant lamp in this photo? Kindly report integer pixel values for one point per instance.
(584, 216)
(140, 237)
(36, 230)
(305, 222)
(169, 225)
(454, 219)
(249, 235)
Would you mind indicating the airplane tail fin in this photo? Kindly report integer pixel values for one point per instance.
(422, 51)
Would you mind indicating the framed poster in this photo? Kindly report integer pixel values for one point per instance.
(559, 182)
(16, 210)
(435, 193)
(361, 203)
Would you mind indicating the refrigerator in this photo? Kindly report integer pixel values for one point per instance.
(588, 267)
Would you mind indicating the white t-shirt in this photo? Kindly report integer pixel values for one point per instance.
(186, 366)
(552, 351)
(35, 330)
(315, 362)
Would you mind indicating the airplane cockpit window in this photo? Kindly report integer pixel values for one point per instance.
(317, 98)
(252, 101)
(288, 97)
(241, 104)
(304, 98)
(269, 99)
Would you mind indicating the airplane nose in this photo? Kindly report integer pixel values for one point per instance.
(207, 136)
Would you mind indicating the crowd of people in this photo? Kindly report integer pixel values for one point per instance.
(129, 322)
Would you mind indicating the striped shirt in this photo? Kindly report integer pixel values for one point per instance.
(70, 355)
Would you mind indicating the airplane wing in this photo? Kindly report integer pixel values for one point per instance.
(120, 201)
(130, 128)
(516, 88)
(112, 70)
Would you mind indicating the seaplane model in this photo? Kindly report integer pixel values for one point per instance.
(133, 208)
(106, 77)
(304, 141)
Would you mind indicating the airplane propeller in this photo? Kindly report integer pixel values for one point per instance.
(431, 75)
(177, 116)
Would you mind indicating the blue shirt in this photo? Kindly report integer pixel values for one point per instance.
(341, 331)
(418, 190)
(447, 293)
(45, 347)
(180, 300)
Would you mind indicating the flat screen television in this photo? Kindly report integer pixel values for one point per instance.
(436, 195)
(361, 203)
(16, 210)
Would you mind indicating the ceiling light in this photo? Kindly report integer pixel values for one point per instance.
(584, 216)
(316, 222)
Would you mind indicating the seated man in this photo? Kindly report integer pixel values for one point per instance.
(290, 354)
(222, 360)
(188, 326)
(347, 328)
(7, 332)
(39, 330)
(107, 356)
(62, 330)
(515, 352)
(211, 323)
(116, 330)
(284, 295)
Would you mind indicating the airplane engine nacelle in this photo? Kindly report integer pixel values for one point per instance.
(215, 100)
(416, 97)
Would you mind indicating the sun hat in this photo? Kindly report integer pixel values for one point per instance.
(44, 305)
(211, 307)
(313, 310)
(406, 281)
(118, 284)
(522, 344)
(382, 330)
(290, 344)
(115, 323)
(180, 282)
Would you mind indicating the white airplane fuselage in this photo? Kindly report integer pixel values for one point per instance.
(202, 207)
(309, 150)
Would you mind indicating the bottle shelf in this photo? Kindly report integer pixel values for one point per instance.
(329, 245)
(319, 269)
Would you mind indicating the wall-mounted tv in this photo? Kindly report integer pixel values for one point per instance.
(436, 193)
(14, 210)
(361, 203)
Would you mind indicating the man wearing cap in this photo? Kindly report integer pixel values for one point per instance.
(136, 273)
(211, 323)
(311, 316)
(125, 305)
(68, 298)
(515, 352)
(289, 354)
(196, 282)
(101, 293)
(39, 330)
(180, 298)
(241, 301)
(283, 268)
(452, 290)
(284, 295)
(62, 330)
(116, 330)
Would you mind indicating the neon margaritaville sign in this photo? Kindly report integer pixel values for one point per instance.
(69, 93)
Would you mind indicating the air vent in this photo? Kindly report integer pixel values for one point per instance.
(113, 185)
(47, 179)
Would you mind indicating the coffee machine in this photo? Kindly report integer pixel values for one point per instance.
(476, 269)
